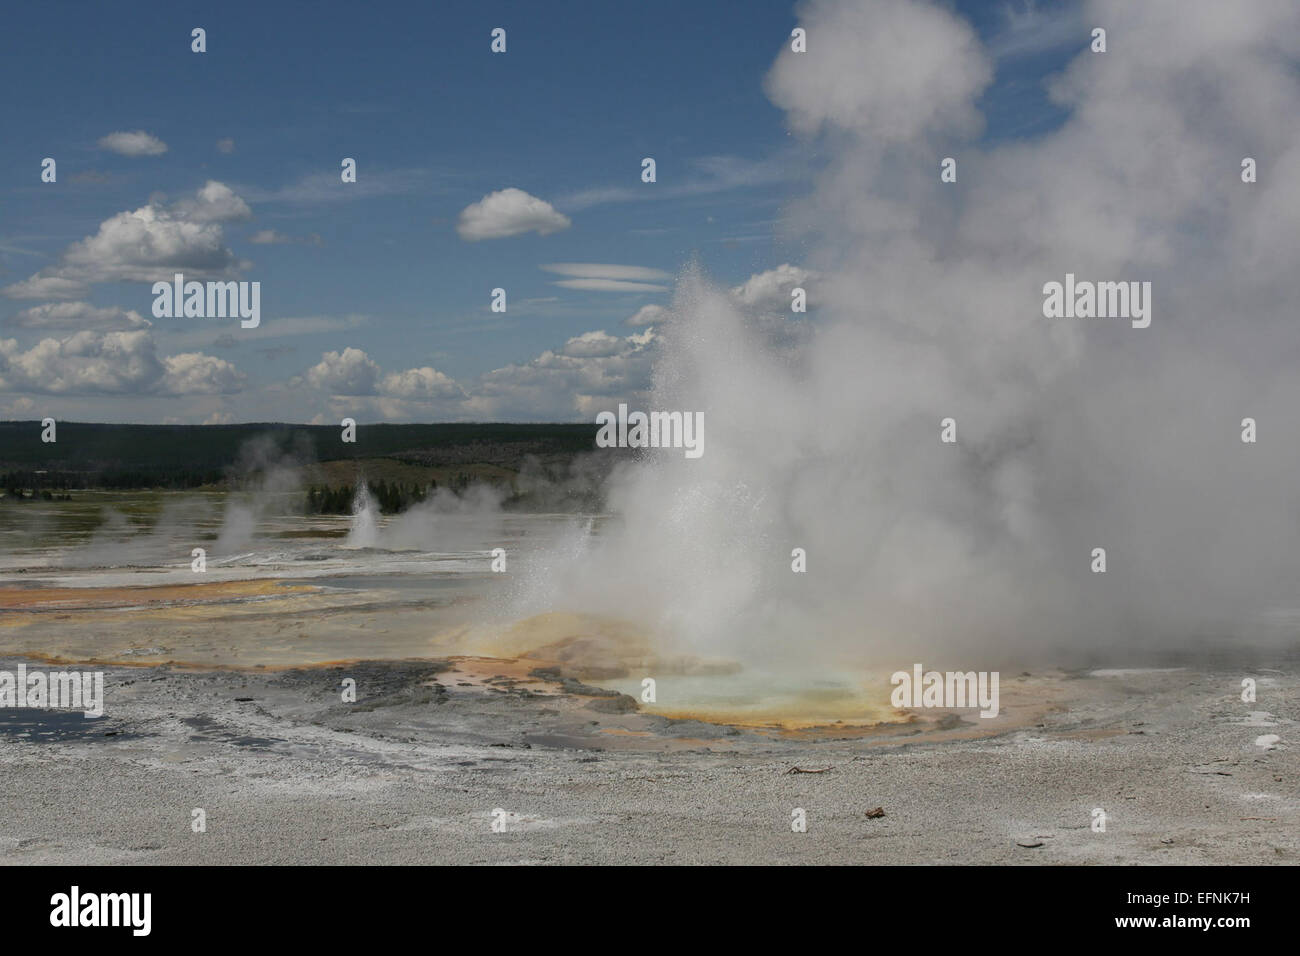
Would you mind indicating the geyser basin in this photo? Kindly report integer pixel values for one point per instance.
(750, 697)
(613, 653)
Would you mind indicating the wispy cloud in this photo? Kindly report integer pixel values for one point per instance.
(328, 187)
(76, 316)
(271, 328)
(269, 237)
(610, 285)
(606, 277)
(1031, 28)
(599, 270)
(709, 174)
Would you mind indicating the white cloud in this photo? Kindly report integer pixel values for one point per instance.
(597, 270)
(509, 212)
(647, 315)
(138, 143)
(610, 285)
(214, 202)
(193, 373)
(151, 243)
(604, 277)
(146, 245)
(594, 370)
(770, 291)
(592, 345)
(350, 372)
(420, 384)
(269, 237)
(46, 287)
(107, 363)
(76, 315)
(226, 145)
(20, 407)
(357, 386)
(561, 387)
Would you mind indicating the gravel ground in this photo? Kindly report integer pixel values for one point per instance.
(413, 772)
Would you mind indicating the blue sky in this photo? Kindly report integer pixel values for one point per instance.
(436, 122)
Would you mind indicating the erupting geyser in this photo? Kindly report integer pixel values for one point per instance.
(1071, 434)
(364, 532)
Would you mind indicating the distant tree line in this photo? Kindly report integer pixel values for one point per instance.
(41, 484)
(44, 494)
(91, 447)
(112, 480)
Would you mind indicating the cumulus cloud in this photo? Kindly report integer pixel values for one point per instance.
(46, 287)
(20, 407)
(770, 291)
(193, 373)
(111, 363)
(350, 372)
(591, 372)
(151, 243)
(420, 384)
(76, 315)
(557, 386)
(509, 212)
(138, 143)
(357, 385)
(214, 202)
(592, 345)
(646, 315)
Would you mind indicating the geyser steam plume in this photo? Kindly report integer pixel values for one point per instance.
(364, 532)
(1072, 434)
